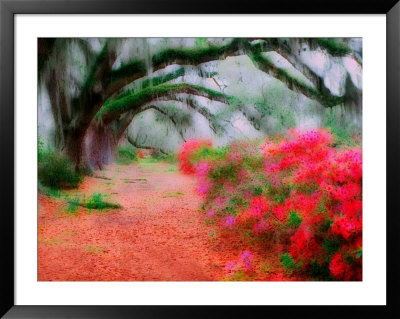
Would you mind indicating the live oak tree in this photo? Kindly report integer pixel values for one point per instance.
(95, 91)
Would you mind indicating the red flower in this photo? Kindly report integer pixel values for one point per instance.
(340, 269)
(259, 206)
(187, 150)
(312, 197)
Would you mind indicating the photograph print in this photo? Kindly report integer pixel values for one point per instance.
(199, 159)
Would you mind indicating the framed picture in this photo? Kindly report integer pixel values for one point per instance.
(183, 158)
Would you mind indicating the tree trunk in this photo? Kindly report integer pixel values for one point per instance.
(100, 145)
(73, 147)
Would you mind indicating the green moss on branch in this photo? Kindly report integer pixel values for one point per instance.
(154, 81)
(113, 109)
(195, 56)
(334, 46)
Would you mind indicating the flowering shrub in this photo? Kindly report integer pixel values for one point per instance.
(324, 206)
(241, 268)
(186, 153)
(299, 190)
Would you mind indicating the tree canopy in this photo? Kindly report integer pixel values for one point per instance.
(96, 87)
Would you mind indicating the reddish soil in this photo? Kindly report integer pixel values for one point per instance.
(159, 234)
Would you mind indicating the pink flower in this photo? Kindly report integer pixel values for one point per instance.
(202, 169)
(210, 213)
(246, 258)
(229, 221)
(231, 266)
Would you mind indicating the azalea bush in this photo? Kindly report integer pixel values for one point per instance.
(185, 154)
(242, 268)
(301, 190)
(322, 213)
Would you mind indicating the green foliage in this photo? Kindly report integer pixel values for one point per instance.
(48, 191)
(334, 46)
(168, 158)
(358, 253)
(207, 153)
(256, 190)
(325, 225)
(73, 204)
(96, 201)
(294, 220)
(320, 271)
(237, 202)
(335, 123)
(308, 189)
(57, 172)
(279, 194)
(243, 163)
(331, 245)
(288, 262)
(148, 160)
(283, 115)
(224, 172)
(127, 155)
(253, 162)
(41, 149)
(322, 206)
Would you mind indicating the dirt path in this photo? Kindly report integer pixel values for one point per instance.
(159, 234)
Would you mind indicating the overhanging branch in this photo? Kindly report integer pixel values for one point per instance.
(114, 109)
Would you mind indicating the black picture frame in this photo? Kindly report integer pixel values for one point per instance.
(8, 9)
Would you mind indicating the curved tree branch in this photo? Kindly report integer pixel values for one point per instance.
(154, 81)
(114, 109)
(124, 75)
(137, 69)
(265, 65)
(121, 123)
(197, 56)
(288, 49)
